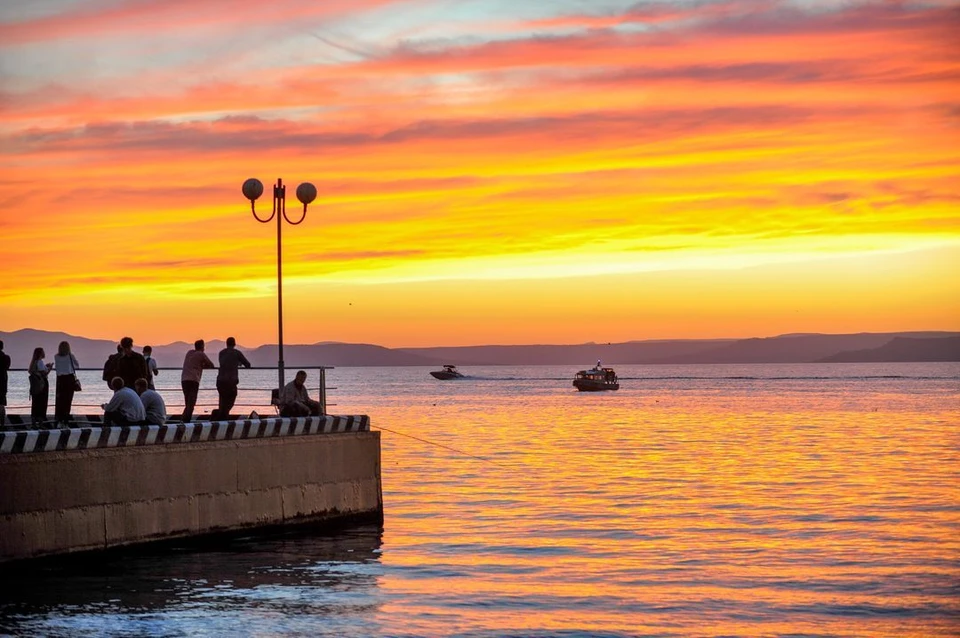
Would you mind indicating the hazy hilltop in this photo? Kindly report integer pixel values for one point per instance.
(92, 353)
(800, 348)
(792, 348)
(903, 349)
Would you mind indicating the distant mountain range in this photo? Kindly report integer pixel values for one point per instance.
(791, 348)
(904, 349)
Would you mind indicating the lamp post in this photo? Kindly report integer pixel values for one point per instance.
(306, 193)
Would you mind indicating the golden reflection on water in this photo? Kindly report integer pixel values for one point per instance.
(697, 500)
(756, 508)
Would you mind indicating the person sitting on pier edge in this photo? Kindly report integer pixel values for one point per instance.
(110, 366)
(194, 364)
(125, 408)
(152, 369)
(4, 366)
(130, 364)
(294, 400)
(228, 378)
(152, 402)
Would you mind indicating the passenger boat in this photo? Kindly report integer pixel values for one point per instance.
(448, 372)
(596, 379)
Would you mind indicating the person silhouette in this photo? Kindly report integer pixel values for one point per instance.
(228, 377)
(4, 366)
(39, 386)
(194, 363)
(152, 369)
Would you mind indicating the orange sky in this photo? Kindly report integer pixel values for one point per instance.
(487, 172)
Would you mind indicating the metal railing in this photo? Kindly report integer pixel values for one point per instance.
(175, 392)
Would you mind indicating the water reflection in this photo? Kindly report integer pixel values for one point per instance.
(234, 585)
(697, 500)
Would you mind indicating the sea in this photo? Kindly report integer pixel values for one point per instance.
(698, 500)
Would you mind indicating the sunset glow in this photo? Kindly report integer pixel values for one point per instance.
(487, 172)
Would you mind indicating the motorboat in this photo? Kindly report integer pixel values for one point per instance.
(448, 372)
(596, 379)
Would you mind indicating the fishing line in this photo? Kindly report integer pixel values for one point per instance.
(447, 447)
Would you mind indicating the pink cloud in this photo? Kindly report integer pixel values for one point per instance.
(102, 18)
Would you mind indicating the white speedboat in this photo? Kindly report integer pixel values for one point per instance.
(448, 372)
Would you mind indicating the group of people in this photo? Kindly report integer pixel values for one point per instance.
(131, 374)
(64, 366)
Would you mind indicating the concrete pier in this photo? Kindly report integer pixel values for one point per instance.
(96, 487)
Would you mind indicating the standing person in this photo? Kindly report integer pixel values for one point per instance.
(294, 400)
(194, 364)
(125, 407)
(4, 367)
(130, 364)
(110, 366)
(152, 369)
(228, 378)
(66, 366)
(39, 386)
(153, 404)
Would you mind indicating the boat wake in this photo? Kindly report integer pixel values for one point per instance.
(728, 378)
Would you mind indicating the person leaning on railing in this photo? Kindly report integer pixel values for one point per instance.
(228, 377)
(194, 363)
(294, 400)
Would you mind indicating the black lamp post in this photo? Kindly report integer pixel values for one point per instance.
(306, 193)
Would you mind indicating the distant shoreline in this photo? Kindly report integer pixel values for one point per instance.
(892, 347)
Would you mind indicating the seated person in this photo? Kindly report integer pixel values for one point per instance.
(294, 400)
(125, 408)
(153, 403)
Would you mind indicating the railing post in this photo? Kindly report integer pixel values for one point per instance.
(323, 390)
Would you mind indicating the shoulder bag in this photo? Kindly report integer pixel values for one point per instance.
(76, 379)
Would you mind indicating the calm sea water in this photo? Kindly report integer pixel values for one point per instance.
(748, 500)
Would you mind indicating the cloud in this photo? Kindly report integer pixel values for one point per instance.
(650, 13)
(104, 18)
(757, 17)
(211, 138)
(362, 255)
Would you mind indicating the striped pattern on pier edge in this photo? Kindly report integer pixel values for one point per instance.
(85, 438)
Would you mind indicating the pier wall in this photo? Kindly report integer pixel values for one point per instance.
(120, 490)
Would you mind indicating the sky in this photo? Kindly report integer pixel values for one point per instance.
(488, 172)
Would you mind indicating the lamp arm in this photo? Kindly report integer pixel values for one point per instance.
(257, 217)
(299, 221)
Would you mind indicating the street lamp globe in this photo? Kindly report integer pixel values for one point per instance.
(253, 188)
(306, 193)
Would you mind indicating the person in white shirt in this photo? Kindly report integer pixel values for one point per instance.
(152, 369)
(153, 404)
(66, 366)
(125, 408)
(39, 386)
